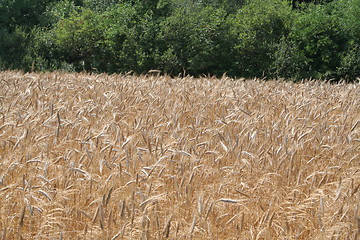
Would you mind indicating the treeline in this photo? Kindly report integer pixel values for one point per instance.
(243, 38)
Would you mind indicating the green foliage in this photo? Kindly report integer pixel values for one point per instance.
(57, 11)
(118, 43)
(93, 41)
(288, 62)
(230, 6)
(245, 38)
(100, 5)
(301, 4)
(17, 20)
(323, 43)
(148, 44)
(348, 14)
(76, 38)
(13, 48)
(257, 28)
(350, 63)
(196, 41)
(21, 13)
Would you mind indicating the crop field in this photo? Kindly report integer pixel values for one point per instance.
(153, 157)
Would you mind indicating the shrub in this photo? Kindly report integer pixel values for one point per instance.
(100, 5)
(196, 41)
(323, 43)
(76, 38)
(118, 44)
(58, 11)
(13, 46)
(113, 40)
(257, 28)
(348, 12)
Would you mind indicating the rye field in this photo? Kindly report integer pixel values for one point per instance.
(153, 157)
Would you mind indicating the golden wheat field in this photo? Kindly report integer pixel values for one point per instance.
(150, 157)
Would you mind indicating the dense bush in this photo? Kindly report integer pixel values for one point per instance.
(258, 27)
(348, 12)
(13, 47)
(245, 38)
(196, 41)
(323, 43)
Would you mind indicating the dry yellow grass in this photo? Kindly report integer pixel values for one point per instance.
(125, 157)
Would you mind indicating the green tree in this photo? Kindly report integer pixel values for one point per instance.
(119, 43)
(195, 40)
(100, 5)
(257, 28)
(348, 12)
(323, 42)
(17, 19)
(57, 11)
(22, 13)
(13, 48)
(76, 39)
